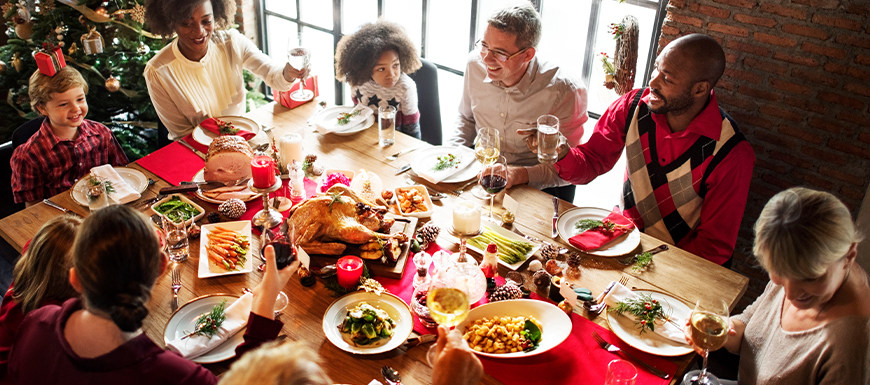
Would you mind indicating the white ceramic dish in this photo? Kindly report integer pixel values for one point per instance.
(183, 199)
(398, 310)
(205, 137)
(555, 324)
(242, 227)
(183, 322)
(425, 159)
(650, 342)
(347, 173)
(566, 228)
(509, 235)
(327, 122)
(427, 200)
(199, 178)
(135, 178)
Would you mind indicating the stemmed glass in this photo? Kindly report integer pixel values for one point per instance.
(299, 58)
(487, 147)
(493, 180)
(447, 306)
(709, 327)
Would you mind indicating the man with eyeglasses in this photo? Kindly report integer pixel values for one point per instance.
(507, 87)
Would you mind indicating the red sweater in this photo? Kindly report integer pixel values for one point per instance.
(11, 316)
(41, 354)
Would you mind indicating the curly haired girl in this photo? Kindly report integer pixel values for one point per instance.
(375, 61)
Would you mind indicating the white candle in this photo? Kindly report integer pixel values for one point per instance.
(466, 218)
(290, 148)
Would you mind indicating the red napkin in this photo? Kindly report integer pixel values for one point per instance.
(173, 163)
(214, 125)
(283, 97)
(595, 238)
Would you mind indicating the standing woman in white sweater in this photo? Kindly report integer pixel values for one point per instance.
(199, 74)
(812, 323)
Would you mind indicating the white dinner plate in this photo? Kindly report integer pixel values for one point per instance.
(566, 228)
(327, 121)
(135, 178)
(427, 158)
(205, 137)
(199, 178)
(509, 235)
(242, 227)
(398, 310)
(555, 324)
(183, 321)
(650, 342)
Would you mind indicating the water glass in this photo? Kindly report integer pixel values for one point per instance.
(97, 195)
(386, 125)
(620, 372)
(175, 227)
(548, 139)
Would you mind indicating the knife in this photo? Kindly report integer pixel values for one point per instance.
(195, 151)
(403, 169)
(555, 216)
(57, 206)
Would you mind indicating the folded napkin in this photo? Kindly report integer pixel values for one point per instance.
(331, 125)
(123, 192)
(214, 125)
(237, 317)
(668, 330)
(593, 239)
(429, 173)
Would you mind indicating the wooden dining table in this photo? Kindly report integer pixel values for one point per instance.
(676, 272)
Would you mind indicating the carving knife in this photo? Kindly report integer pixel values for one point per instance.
(195, 151)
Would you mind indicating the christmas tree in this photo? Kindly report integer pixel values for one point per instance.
(106, 41)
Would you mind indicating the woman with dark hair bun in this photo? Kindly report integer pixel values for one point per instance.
(98, 339)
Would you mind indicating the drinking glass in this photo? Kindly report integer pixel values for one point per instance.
(620, 372)
(386, 125)
(280, 303)
(487, 147)
(97, 195)
(447, 306)
(493, 180)
(175, 227)
(709, 326)
(299, 58)
(548, 139)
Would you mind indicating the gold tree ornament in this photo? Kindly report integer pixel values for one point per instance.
(16, 61)
(6, 7)
(73, 48)
(92, 42)
(102, 11)
(113, 84)
(24, 30)
(137, 13)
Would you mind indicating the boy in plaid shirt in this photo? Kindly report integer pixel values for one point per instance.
(67, 145)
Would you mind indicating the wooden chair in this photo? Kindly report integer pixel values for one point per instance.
(428, 102)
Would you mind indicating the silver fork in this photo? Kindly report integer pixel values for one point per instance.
(615, 349)
(460, 190)
(599, 307)
(400, 153)
(176, 285)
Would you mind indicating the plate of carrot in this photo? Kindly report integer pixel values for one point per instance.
(225, 248)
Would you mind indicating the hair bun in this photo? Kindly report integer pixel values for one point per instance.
(129, 311)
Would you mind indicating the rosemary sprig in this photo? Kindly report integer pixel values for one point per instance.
(96, 181)
(642, 261)
(607, 225)
(226, 128)
(345, 117)
(447, 161)
(208, 324)
(645, 309)
(336, 197)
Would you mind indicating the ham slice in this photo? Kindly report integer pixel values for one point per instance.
(228, 159)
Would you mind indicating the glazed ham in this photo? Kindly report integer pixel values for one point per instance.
(228, 159)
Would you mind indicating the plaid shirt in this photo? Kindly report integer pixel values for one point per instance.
(46, 166)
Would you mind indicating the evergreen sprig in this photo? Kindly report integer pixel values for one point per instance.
(336, 197)
(447, 161)
(208, 324)
(642, 261)
(645, 309)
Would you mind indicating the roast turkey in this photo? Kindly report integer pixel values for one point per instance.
(324, 225)
(228, 159)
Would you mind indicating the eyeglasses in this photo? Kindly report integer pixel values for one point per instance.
(498, 55)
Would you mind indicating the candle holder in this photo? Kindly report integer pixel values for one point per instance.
(462, 238)
(266, 217)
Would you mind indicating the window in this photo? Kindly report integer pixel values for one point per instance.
(574, 32)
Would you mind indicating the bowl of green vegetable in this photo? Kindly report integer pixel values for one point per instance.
(192, 212)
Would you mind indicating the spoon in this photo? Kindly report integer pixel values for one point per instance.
(391, 375)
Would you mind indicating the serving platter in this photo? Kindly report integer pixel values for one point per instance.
(243, 228)
(135, 178)
(555, 324)
(183, 321)
(204, 137)
(621, 246)
(198, 177)
(397, 309)
(509, 235)
(650, 342)
(327, 122)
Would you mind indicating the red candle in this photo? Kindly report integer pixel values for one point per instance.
(349, 271)
(262, 171)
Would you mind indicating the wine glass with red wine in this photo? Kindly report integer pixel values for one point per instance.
(493, 179)
(284, 244)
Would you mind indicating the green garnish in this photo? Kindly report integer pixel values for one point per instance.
(447, 161)
(345, 117)
(642, 261)
(95, 181)
(606, 224)
(532, 333)
(366, 324)
(645, 310)
(208, 324)
(336, 197)
(226, 128)
(175, 203)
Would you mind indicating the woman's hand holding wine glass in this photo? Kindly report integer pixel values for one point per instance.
(707, 329)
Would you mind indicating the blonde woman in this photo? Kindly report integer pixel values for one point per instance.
(276, 363)
(40, 277)
(812, 323)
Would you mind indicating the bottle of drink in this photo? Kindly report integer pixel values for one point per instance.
(489, 265)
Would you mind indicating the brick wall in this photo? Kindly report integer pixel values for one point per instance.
(798, 83)
(246, 18)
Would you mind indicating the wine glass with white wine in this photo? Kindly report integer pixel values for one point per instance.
(299, 58)
(447, 306)
(487, 147)
(709, 327)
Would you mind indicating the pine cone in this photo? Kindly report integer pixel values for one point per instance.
(428, 233)
(550, 251)
(233, 208)
(574, 260)
(214, 217)
(505, 292)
